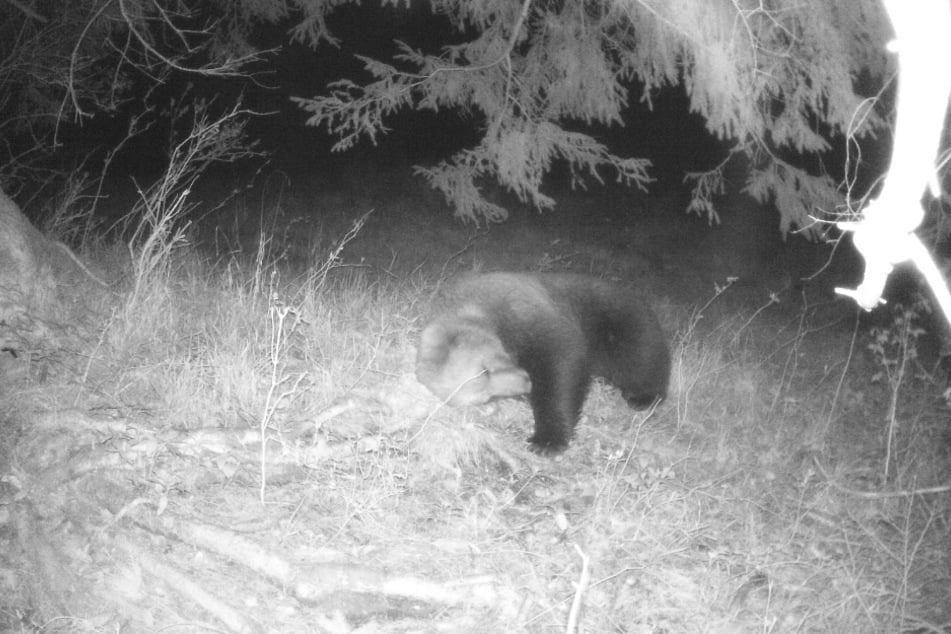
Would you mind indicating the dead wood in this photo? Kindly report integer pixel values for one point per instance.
(90, 482)
(50, 579)
(183, 585)
(364, 589)
(36, 274)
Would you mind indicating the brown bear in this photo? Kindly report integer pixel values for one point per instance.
(500, 335)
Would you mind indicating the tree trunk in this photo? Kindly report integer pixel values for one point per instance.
(29, 297)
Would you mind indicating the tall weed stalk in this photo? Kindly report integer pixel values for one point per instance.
(158, 224)
(893, 348)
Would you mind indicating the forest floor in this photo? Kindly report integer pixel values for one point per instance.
(237, 442)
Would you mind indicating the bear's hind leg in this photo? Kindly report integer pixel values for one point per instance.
(641, 401)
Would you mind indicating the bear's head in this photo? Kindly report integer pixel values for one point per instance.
(464, 363)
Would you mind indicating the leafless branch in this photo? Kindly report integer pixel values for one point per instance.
(28, 11)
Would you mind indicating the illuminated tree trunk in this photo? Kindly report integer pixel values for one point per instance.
(885, 235)
(28, 293)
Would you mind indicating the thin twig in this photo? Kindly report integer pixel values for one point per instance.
(873, 495)
(580, 587)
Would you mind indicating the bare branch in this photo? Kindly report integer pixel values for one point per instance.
(230, 68)
(28, 11)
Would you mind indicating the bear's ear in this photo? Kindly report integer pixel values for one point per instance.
(434, 344)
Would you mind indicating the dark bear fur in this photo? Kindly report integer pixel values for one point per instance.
(506, 334)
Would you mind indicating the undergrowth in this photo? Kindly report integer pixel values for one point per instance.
(256, 428)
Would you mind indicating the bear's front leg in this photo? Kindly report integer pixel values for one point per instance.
(558, 392)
